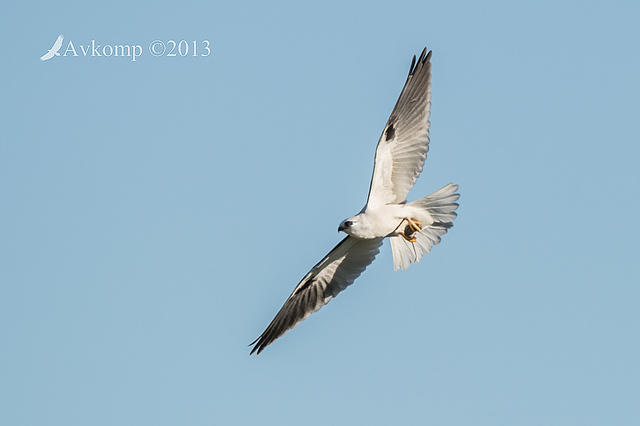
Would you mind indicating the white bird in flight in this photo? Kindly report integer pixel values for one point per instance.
(54, 49)
(412, 228)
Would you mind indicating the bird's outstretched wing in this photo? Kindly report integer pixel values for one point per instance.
(329, 277)
(404, 143)
(57, 44)
(46, 56)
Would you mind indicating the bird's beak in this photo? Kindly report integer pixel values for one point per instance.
(341, 228)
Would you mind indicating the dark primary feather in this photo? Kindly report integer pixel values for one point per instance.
(327, 278)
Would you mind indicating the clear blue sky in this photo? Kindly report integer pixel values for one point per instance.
(155, 215)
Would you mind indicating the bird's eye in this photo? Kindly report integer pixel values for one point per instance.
(348, 223)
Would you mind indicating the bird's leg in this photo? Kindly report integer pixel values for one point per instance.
(411, 239)
(408, 234)
(415, 225)
(409, 231)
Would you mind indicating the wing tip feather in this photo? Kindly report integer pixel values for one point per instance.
(412, 66)
(424, 58)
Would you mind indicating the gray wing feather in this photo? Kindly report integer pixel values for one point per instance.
(402, 148)
(327, 278)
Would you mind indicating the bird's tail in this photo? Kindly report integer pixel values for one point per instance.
(440, 206)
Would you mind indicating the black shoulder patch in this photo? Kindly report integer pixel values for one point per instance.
(390, 133)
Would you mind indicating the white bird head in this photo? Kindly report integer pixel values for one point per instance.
(349, 225)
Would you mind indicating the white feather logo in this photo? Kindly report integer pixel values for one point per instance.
(54, 49)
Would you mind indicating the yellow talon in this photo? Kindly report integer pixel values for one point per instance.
(411, 238)
(415, 225)
(410, 230)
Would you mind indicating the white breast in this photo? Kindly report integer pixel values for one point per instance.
(380, 221)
